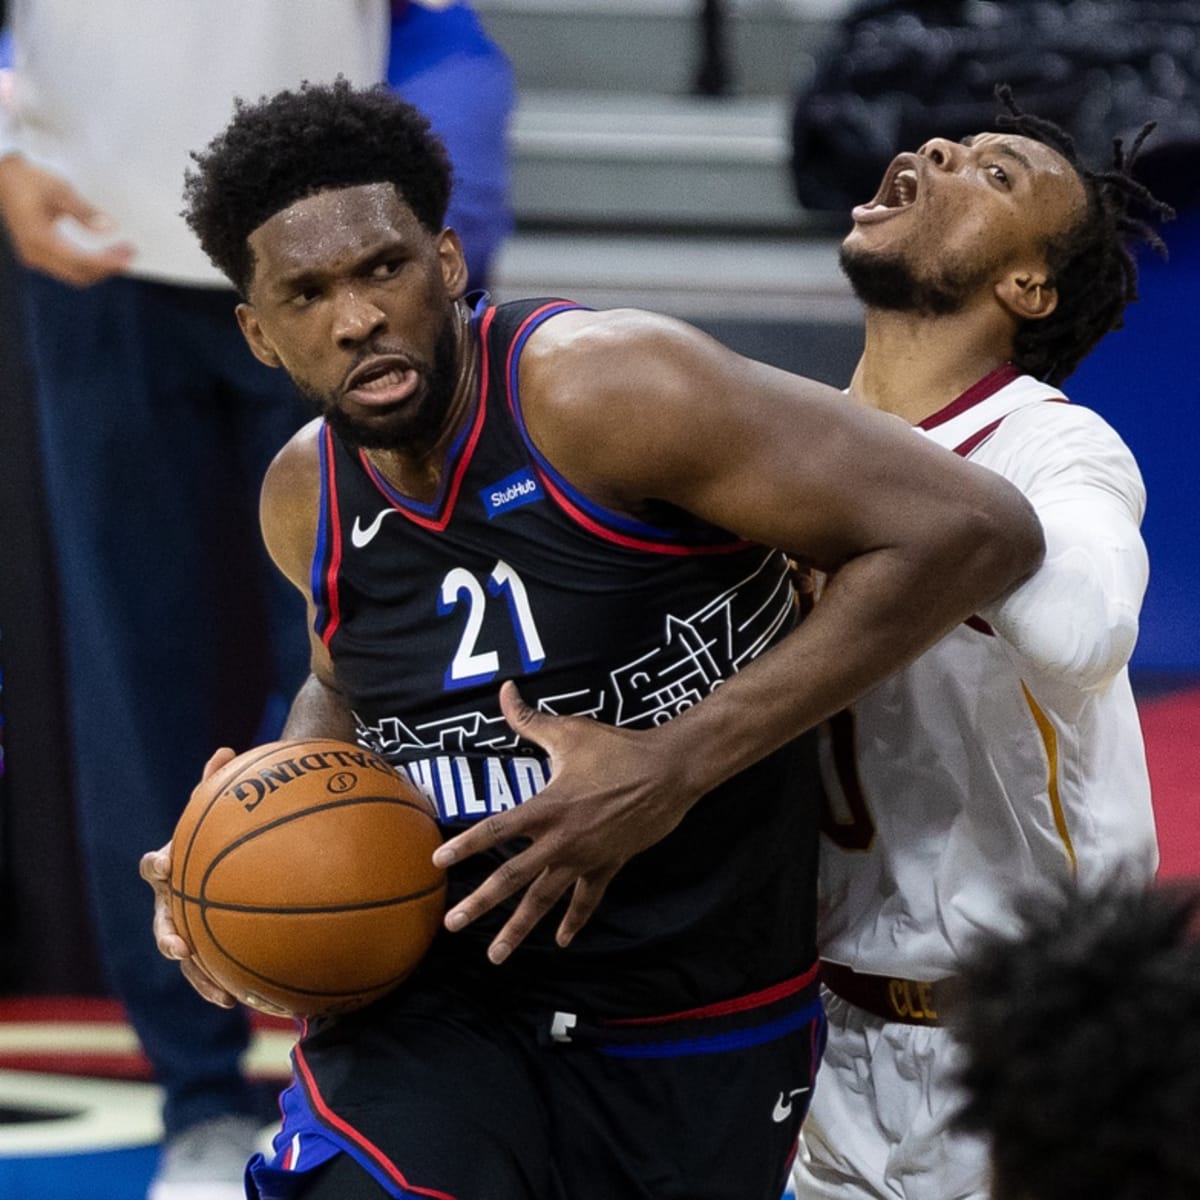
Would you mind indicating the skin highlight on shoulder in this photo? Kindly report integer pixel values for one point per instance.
(289, 503)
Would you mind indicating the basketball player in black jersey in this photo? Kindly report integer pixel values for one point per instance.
(543, 552)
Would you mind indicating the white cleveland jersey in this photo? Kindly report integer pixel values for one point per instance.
(1011, 751)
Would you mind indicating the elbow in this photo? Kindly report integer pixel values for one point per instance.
(1005, 542)
(1027, 541)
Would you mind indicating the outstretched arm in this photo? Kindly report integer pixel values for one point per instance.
(631, 408)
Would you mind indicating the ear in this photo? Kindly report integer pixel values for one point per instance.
(453, 262)
(1028, 295)
(256, 339)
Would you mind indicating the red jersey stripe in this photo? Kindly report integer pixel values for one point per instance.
(989, 385)
(623, 539)
(348, 1131)
(778, 991)
(332, 603)
(438, 524)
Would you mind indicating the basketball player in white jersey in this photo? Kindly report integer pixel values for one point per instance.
(1010, 751)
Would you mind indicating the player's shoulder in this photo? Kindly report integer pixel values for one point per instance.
(617, 399)
(1056, 432)
(578, 326)
(596, 370)
(297, 465)
(1061, 416)
(589, 346)
(289, 500)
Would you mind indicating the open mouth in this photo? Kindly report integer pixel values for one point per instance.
(902, 190)
(383, 381)
(897, 192)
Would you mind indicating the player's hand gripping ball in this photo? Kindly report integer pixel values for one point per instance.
(302, 877)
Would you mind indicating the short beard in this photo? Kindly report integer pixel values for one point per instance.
(886, 281)
(415, 433)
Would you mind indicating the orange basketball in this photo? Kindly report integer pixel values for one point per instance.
(301, 875)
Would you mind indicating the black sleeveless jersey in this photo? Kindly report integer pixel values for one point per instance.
(511, 573)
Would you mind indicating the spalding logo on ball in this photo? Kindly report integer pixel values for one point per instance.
(302, 877)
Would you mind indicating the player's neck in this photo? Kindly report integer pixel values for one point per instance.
(417, 474)
(914, 366)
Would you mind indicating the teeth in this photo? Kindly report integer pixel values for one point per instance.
(905, 186)
(379, 382)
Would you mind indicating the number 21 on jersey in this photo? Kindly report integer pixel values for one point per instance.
(475, 664)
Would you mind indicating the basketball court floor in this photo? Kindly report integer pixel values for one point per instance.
(79, 1114)
(78, 1111)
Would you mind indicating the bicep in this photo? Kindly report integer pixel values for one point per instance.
(771, 456)
(801, 467)
(289, 512)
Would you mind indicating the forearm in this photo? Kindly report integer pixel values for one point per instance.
(319, 710)
(876, 614)
(640, 784)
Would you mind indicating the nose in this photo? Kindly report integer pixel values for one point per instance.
(941, 153)
(356, 319)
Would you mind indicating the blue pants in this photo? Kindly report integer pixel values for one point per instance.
(157, 425)
(443, 62)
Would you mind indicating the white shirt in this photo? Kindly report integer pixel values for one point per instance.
(1002, 757)
(114, 94)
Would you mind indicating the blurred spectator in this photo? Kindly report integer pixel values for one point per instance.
(156, 426)
(898, 74)
(32, 900)
(713, 73)
(1083, 1046)
(443, 61)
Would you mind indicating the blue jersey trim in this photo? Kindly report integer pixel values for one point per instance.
(616, 520)
(432, 509)
(321, 548)
(719, 1043)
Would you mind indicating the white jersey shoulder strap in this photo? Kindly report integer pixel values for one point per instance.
(964, 423)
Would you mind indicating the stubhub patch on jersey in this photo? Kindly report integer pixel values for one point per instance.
(521, 487)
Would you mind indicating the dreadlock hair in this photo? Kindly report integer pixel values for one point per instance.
(1092, 264)
(297, 143)
(1081, 1034)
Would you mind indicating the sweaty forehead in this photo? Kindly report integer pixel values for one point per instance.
(328, 224)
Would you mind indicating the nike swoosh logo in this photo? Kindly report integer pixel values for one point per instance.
(361, 535)
(783, 1106)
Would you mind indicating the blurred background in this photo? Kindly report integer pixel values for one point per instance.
(699, 157)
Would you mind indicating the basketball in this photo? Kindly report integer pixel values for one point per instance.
(302, 877)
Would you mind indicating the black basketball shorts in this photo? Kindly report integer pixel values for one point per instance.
(430, 1094)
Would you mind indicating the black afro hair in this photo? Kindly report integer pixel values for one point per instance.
(1082, 1036)
(297, 143)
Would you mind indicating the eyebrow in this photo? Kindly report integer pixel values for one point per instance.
(303, 277)
(295, 281)
(1002, 148)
